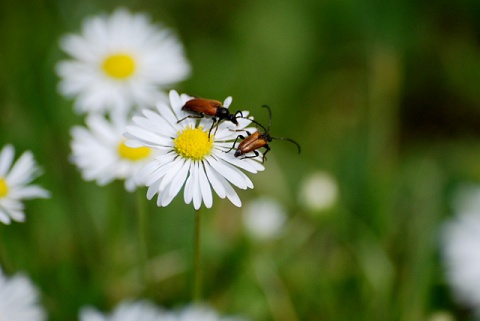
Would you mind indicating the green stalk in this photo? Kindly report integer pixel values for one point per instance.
(197, 273)
(142, 238)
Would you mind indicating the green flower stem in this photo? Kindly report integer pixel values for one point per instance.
(142, 249)
(197, 273)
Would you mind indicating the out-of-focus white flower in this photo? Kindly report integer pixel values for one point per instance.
(461, 250)
(101, 154)
(319, 191)
(147, 311)
(19, 299)
(198, 313)
(441, 316)
(120, 61)
(187, 156)
(125, 311)
(264, 218)
(14, 180)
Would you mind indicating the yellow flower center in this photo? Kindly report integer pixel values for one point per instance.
(133, 153)
(119, 66)
(3, 187)
(193, 143)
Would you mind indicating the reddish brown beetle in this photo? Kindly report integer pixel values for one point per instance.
(201, 107)
(257, 140)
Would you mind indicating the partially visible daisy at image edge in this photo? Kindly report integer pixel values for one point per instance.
(19, 299)
(14, 180)
(99, 151)
(127, 310)
(199, 312)
(460, 243)
(119, 61)
(144, 310)
(188, 157)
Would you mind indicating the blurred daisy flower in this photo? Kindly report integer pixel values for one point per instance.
(119, 61)
(19, 299)
(319, 191)
(264, 218)
(460, 249)
(187, 156)
(147, 311)
(14, 180)
(198, 313)
(125, 311)
(101, 154)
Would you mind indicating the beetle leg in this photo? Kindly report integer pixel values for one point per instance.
(265, 153)
(239, 112)
(213, 124)
(233, 146)
(191, 116)
(252, 156)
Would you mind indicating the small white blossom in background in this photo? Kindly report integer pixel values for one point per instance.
(461, 250)
(120, 61)
(319, 191)
(147, 311)
(14, 180)
(125, 311)
(100, 152)
(441, 316)
(198, 313)
(19, 299)
(188, 157)
(264, 218)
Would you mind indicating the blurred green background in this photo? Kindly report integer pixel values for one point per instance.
(382, 95)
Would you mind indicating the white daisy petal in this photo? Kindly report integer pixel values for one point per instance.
(218, 187)
(4, 218)
(205, 188)
(245, 164)
(197, 194)
(6, 159)
(189, 186)
(179, 179)
(171, 173)
(31, 191)
(229, 191)
(23, 170)
(153, 189)
(230, 173)
(227, 101)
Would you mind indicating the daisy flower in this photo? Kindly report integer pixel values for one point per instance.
(319, 191)
(198, 313)
(460, 249)
(14, 180)
(101, 154)
(146, 311)
(119, 61)
(19, 299)
(264, 218)
(187, 156)
(125, 311)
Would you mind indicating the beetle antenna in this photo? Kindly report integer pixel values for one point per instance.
(256, 122)
(289, 140)
(270, 114)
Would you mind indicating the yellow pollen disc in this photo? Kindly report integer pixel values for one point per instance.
(119, 66)
(133, 153)
(3, 187)
(193, 143)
